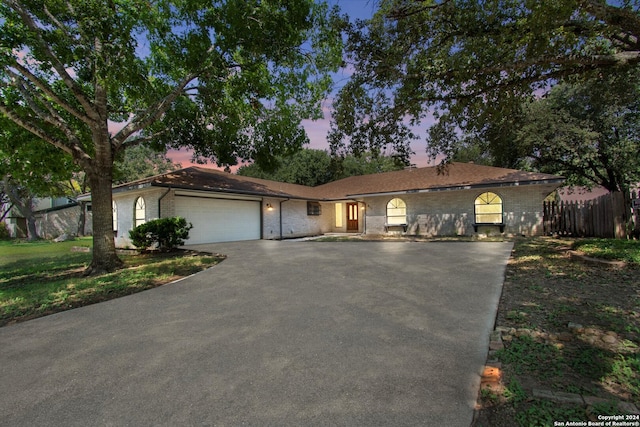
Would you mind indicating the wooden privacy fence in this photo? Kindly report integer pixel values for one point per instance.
(601, 217)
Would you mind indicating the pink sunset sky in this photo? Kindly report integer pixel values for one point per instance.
(317, 130)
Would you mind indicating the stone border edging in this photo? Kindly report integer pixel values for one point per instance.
(579, 256)
(491, 379)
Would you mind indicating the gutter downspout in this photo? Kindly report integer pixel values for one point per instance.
(160, 200)
(364, 218)
(280, 213)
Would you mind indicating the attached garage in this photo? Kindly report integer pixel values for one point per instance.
(219, 219)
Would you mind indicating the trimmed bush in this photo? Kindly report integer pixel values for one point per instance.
(4, 232)
(164, 234)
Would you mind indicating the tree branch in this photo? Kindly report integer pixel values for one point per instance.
(36, 130)
(132, 142)
(50, 116)
(625, 19)
(152, 113)
(407, 11)
(24, 71)
(55, 62)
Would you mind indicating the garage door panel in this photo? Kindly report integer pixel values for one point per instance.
(220, 220)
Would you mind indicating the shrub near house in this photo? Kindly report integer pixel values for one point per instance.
(165, 233)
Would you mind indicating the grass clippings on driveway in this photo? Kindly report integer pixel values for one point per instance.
(567, 327)
(41, 278)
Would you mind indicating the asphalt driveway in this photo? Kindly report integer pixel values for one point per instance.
(281, 333)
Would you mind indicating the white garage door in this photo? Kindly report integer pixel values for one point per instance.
(219, 220)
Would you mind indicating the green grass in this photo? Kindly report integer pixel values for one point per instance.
(40, 278)
(610, 249)
(525, 355)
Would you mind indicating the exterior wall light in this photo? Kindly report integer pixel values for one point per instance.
(269, 207)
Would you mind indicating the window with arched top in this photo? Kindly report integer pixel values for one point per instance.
(114, 207)
(488, 209)
(396, 212)
(140, 212)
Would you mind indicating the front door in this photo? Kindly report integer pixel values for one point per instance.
(352, 217)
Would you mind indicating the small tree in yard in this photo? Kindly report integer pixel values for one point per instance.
(165, 234)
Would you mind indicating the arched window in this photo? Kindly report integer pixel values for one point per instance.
(488, 209)
(115, 216)
(140, 212)
(396, 212)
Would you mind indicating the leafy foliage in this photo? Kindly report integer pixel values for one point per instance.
(315, 167)
(229, 79)
(165, 233)
(4, 232)
(587, 131)
(140, 162)
(469, 65)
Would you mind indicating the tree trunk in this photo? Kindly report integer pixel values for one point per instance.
(82, 219)
(23, 202)
(105, 258)
(32, 231)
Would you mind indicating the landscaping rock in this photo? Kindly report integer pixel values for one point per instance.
(558, 396)
(609, 339)
(496, 345)
(576, 328)
(592, 400)
(565, 336)
(628, 408)
(62, 238)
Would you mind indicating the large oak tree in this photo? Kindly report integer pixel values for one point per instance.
(230, 79)
(470, 64)
(587, 131)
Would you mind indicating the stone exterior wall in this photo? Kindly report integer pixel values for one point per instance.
(53, 223)
(451, 213)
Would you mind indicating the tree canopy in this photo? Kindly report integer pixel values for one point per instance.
(30, 168)
(469, 64)
(140, 162)
(587, 131)
(230, 79)
(316, 167)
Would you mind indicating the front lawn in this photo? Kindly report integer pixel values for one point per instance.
(40, 278)
(611, 249)
(567, 327)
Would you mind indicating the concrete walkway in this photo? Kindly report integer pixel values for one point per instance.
(280, 333)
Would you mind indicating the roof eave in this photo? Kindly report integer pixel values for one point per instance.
(234, 191)
(554, 181)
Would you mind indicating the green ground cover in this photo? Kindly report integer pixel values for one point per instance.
(568, 327)
(40, 278)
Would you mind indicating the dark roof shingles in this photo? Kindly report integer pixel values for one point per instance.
(455, 175)
(431, 178)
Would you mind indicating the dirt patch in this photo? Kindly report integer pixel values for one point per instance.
(567, 326)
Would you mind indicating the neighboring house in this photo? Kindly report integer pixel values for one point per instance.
(465, 199)
(54, 216)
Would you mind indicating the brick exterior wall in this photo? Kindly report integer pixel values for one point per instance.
(295, 221)
(438, 213)
(451, 213)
